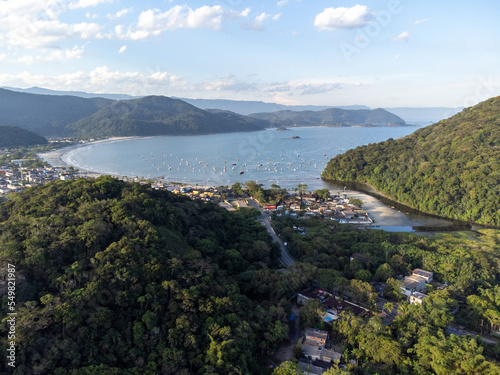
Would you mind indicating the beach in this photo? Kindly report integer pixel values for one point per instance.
(381, 214)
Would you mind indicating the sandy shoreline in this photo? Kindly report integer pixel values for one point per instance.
(379, 212)
(55, 158)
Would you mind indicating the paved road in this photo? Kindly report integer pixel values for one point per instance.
(265, 219)
(453, 329)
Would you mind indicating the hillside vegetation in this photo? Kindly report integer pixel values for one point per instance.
(117, 278)
(451, 168)
(12, 136)
(332, 117)
(71, 116)
(159, 115)
(47, 115)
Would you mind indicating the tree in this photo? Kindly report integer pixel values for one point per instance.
(452, 355)
(288, 368)
(237, 188)
(393, 290)
(384, 272)
(311, 313)
(323, 194)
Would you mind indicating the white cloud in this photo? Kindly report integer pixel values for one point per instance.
(34, 24)
(53, 55)
(404, 36)
(226, 83)
(120, 13)
(282, 3)
(343, 18)
(418, 22)
(259, 23)
(153, 22)
(99, 80)
(122, 49)
(87, 3)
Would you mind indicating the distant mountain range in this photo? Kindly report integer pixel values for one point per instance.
(332, 117)
(422, 116)
(66, 115)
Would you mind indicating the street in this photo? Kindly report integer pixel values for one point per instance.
(265, 219)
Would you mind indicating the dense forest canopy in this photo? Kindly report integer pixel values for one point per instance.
(159, 115)
(451, 168)
(13, 136)
(114, 277)
(417, 341)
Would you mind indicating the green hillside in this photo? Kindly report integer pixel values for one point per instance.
(117, 278)
(451, 168)
(12, 136)
(46, 115)
(159, 115)
(332, 117)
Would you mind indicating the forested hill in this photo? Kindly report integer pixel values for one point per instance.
(12, 136)
(159, 115)
(46, 115)
(117, 278)
(332, 117)
(451, 168)
(71, 116)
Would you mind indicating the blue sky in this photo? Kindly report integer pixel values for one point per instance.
(377, 53)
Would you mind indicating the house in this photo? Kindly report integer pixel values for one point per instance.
(416, 298)
(333, 306)
(414, 284)
(320, 353)
(308, 367)
(316, 337)
(427, 275)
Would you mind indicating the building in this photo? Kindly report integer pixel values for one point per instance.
(333, 306)
(309, 368)
(320, 353)
(413, 284)
(416, 298)
(316, 337)
(427, 275)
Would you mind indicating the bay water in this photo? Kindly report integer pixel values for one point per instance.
(267, 157)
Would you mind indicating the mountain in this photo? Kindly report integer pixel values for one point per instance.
(247, 107)
(451, 168)
(46, 115)
(81, 94)
(159, 115)
(332, 117)
(12, 136)
(412, 115)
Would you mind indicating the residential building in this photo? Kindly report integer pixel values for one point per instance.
(427, 275)
(416, 298)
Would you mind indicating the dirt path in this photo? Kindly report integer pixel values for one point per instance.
(285, 352)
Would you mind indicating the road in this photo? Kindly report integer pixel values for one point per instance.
(265, 219)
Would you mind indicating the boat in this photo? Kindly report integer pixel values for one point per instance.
(242, 172)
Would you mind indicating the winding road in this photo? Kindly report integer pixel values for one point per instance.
(265, 219)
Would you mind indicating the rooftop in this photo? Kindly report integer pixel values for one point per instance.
(423, 273)
(311, 332)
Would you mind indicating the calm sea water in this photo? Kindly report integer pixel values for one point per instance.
(267, 156)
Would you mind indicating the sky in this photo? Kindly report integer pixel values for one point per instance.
(390, 53)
